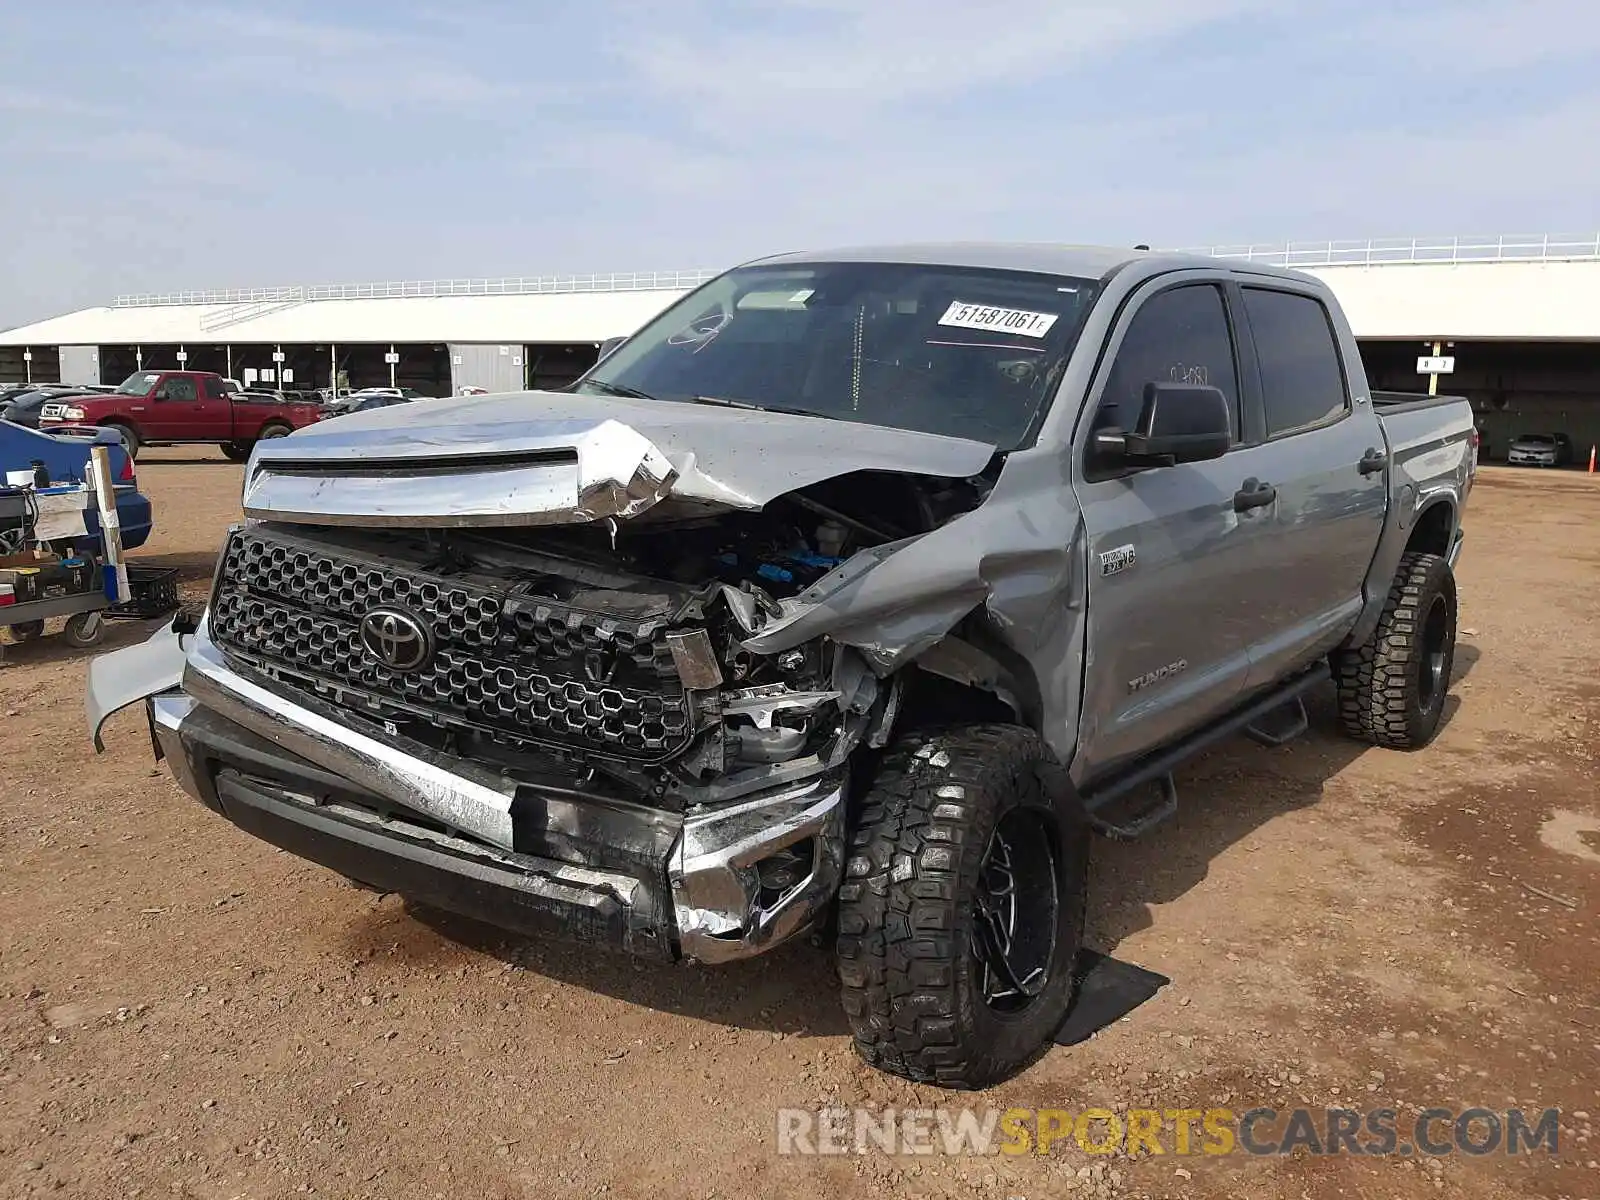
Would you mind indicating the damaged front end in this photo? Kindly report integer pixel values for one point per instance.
(590, 700)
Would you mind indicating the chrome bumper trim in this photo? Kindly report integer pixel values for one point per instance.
(716, 888)
(478, 803)
(712, 863)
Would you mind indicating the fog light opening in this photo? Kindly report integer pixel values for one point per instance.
(783, 873)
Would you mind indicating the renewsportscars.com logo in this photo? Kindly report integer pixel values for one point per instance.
(1139, 1132)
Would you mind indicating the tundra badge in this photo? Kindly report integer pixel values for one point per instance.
(1112, 561)
(1154, 677)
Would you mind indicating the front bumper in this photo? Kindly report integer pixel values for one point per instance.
(1530, 458)
(647, 882)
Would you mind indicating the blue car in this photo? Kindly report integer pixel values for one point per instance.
(65, 456)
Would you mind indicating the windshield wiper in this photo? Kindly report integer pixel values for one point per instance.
(617, 389)
(724, 402)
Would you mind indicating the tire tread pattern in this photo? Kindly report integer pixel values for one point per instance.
(1377, 681)
(902, 937)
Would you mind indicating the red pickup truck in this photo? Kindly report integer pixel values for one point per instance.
(169, 407)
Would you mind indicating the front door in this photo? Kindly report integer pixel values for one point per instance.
(176, 410)
(1177, 562)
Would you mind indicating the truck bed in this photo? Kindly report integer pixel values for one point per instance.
(1418, 424)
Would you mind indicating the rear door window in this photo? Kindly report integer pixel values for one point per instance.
(1302, 377)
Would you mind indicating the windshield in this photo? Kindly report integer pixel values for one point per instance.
(964, 352)
(1541, 439)
(139, 383)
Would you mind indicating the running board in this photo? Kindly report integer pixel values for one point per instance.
(1274, 715)
(1280, 726)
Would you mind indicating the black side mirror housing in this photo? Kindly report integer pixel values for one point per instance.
(607, 346)
(1178, 423)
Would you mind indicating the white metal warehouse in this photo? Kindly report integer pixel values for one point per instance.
(1519, 317)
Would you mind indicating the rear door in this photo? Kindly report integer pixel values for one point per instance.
(1319, 426)
(1178, 565)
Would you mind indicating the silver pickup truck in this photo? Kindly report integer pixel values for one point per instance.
(850, 595)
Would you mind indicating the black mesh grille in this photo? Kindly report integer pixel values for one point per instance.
(526, 666)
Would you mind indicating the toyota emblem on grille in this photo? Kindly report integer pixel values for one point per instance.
(396, 639)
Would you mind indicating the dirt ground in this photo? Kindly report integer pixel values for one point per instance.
(185, 1011)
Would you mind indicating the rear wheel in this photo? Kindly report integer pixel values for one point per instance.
(275, 431)
(961, 913)
(1392, 687)
(26, 631)
(130, 439)
(237, 451)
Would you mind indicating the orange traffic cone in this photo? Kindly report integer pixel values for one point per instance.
(1591, 459)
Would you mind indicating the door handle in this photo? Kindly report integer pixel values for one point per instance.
(1373, 461)
(1254, 494)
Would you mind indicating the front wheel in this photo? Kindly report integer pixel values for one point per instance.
(1392, 687)
(961, 914)
(130, 439)
(84, 630)
(237, 451)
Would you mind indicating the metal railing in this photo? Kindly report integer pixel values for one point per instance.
(1378, 252)
(222, 296)
(1374, 252)
(514, 285)
(235, 314)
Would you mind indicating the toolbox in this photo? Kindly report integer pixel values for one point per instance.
(34, 576)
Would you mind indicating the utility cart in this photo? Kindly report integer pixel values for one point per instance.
(43, 577)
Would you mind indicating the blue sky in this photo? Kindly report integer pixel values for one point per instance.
(147, 145)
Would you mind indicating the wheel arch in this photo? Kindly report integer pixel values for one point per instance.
(1434, 529)
(269, 423)
(118, 421)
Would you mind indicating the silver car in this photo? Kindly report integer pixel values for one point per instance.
(1540, 450)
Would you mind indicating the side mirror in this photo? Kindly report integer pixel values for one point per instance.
(607, 346)
(1178, 423)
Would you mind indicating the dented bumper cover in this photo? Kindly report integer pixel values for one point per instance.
(644, 881)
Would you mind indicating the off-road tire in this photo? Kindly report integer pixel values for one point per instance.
(237, 451)
(1383, 696)
(906, 944)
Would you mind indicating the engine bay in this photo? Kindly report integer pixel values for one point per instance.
(659, 606)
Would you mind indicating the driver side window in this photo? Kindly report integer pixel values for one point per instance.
(179, 388)
(1177, 336)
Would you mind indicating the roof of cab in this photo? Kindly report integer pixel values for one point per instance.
(1050, 258)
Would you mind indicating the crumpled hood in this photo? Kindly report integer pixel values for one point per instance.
(547, 457)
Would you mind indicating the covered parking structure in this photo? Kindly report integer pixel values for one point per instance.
(435, 337)
(1520, 317)
(1517, 319)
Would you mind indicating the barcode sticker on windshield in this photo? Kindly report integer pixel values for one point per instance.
(999, 320)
